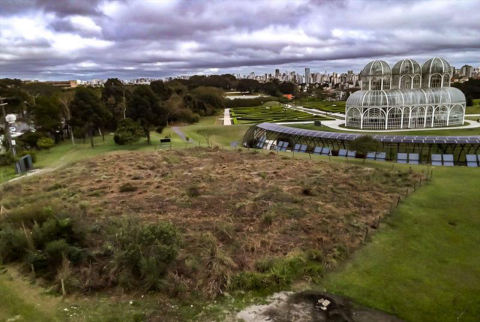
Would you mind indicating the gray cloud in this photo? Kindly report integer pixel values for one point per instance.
(47, 39)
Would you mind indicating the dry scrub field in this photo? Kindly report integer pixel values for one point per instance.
(245, 221)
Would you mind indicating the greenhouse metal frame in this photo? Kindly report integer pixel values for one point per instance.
(406, 96)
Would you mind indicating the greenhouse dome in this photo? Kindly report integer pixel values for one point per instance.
(406, 74)
(419, 98)
(436, 73)
(376, 75)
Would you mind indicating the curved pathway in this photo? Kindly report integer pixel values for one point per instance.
(182, 135)
(336, 125)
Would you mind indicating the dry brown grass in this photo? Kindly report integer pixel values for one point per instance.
(232, 208)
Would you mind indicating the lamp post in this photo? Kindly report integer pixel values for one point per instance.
(10, 118)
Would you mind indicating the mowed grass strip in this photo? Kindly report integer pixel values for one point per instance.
(20, 301)
(424, 264)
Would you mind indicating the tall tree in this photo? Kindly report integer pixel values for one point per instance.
(47, 113)
(161, 90)
(88, 112)
(144, 108)
(114, 97)
(66, 98)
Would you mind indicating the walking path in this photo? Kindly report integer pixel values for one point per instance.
(336, 125)
(227, 120)
(182, 135)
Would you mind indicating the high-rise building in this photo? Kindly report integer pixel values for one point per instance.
(466, 71)
(307, 75)
(277, 73)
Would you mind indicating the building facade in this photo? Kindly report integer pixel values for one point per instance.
(405, 96)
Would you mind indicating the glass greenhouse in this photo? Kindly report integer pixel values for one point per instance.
(406, 96)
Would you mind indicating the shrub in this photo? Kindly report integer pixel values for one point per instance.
(159, 129)
(6, 159)
(13, 244)
(45, 143)
(364, 144)
(33, 154)
(128, 187)
(128, 132)
(145, 253)
(193, 191)
(29, 140)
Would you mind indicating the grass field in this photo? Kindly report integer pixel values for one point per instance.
(269, 112)
(424, 265)
(327, 106)
(65, 152)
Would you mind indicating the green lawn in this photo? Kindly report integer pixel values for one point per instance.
(413, 132)
(475, 109)
(18, 298)
(424, 264)
(269, 112)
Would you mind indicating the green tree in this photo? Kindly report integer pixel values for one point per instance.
(114, 97)
(47, 114)
(144, 108)
(128, 132)
(161, 90)
(88, 112)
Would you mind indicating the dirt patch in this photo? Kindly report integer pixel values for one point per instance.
(307, 307)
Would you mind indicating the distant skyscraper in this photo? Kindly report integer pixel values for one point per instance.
(307, 75)
(466, 71)
(277, 73)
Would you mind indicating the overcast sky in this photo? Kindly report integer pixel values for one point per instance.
(63, 39)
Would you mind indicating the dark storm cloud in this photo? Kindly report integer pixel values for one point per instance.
(102, 38)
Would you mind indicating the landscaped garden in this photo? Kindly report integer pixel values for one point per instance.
(323, 105)
(270, 112)
(420, 265)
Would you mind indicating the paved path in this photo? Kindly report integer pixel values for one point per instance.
(182, 135)
(336, 125)
(227, 120)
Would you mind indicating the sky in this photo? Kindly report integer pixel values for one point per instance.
(68, 39)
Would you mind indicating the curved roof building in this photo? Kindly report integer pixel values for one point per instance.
(406, 96)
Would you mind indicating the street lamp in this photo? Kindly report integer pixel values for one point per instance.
(10, 118)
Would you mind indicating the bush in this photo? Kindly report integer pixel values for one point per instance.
(33, 154)
(6, 159)
(13, 244)
(128, 132)
(45, 143)
(145, 253)
(128, 187)
(29, 140)
(159, 129)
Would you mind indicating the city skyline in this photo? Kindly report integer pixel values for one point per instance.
(49, 40)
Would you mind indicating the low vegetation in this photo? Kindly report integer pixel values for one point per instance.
(197, 222)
